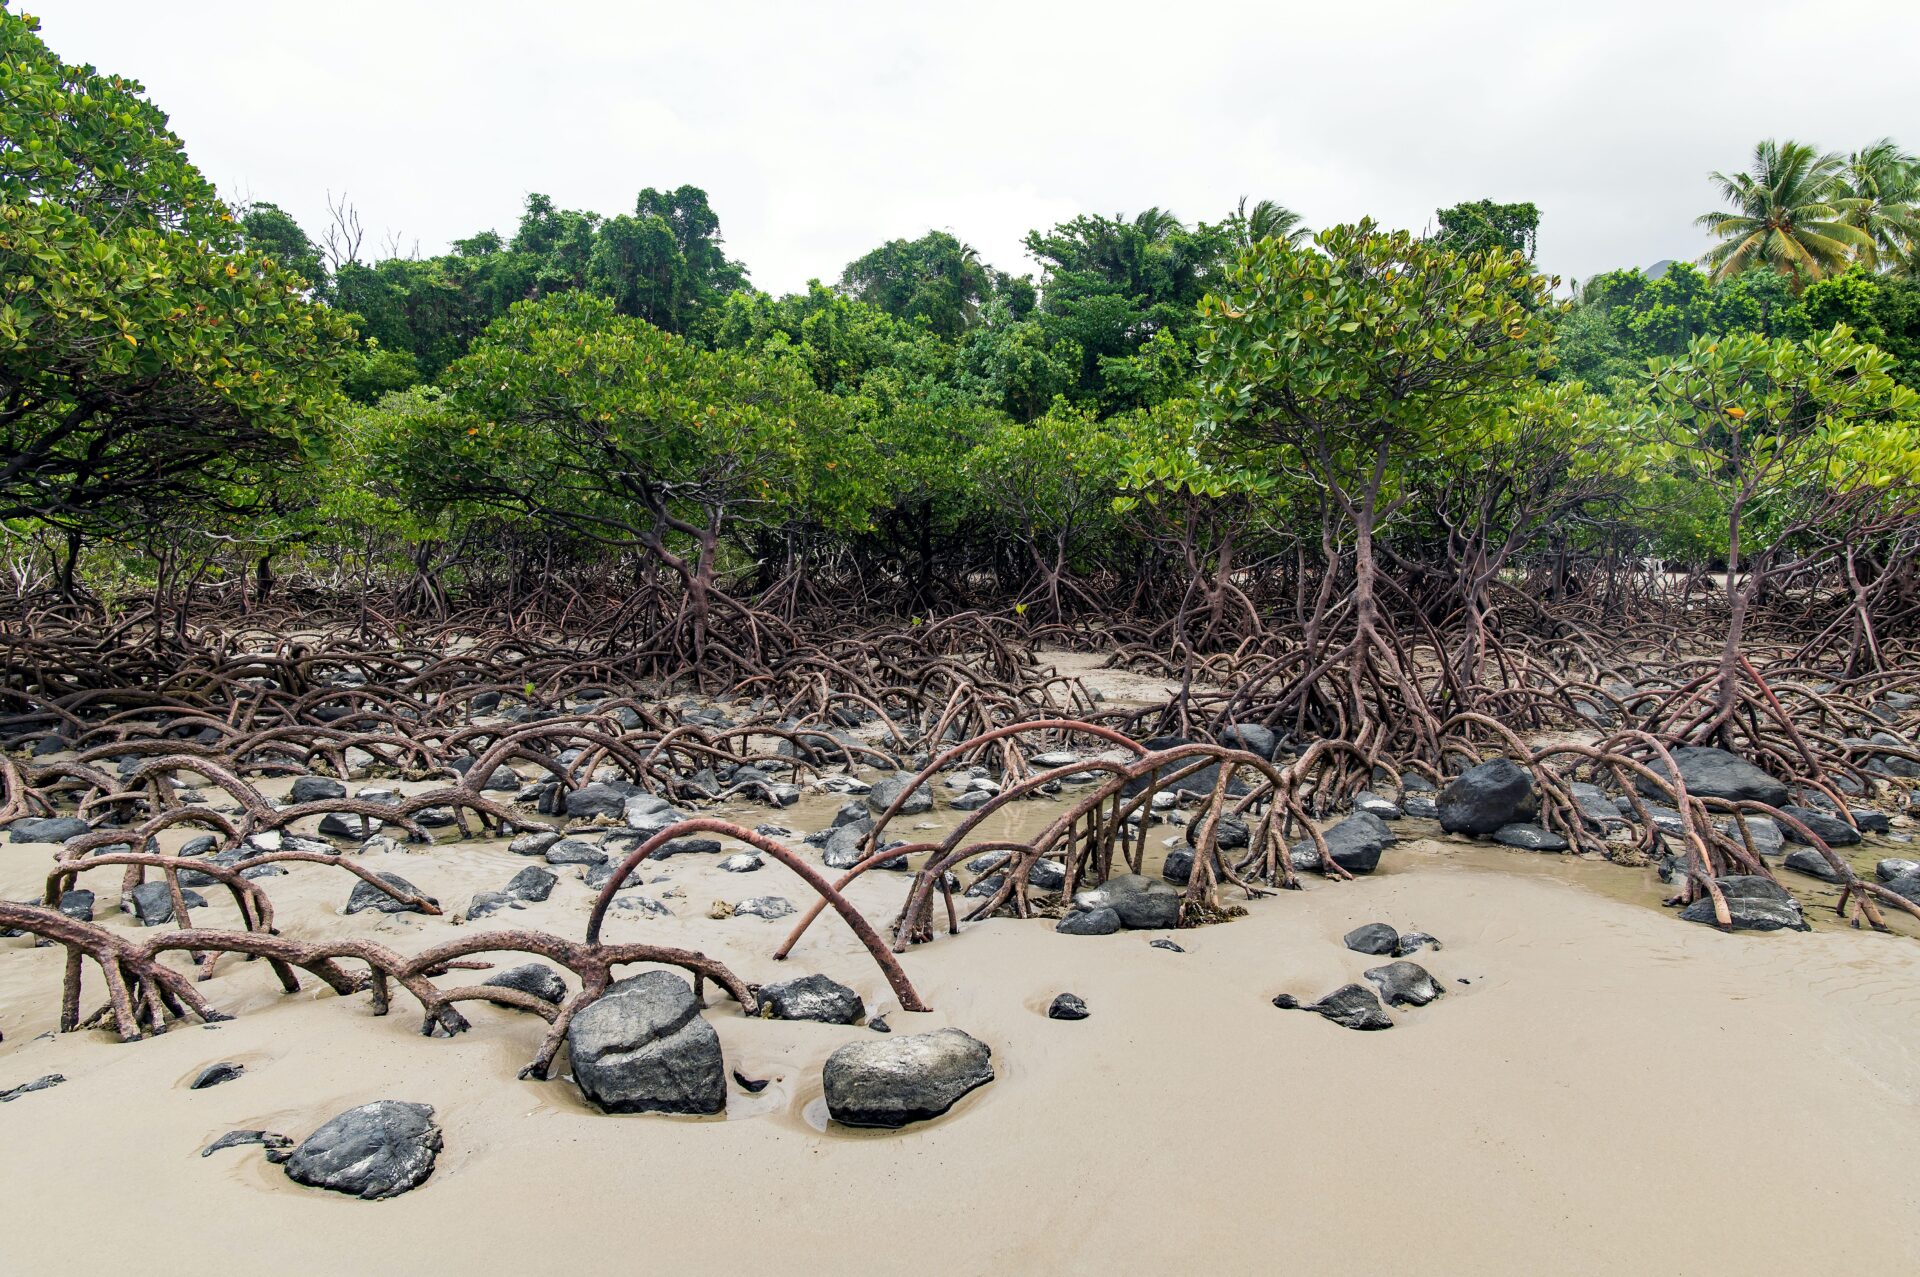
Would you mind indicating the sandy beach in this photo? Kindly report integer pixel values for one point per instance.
(1602, 1089)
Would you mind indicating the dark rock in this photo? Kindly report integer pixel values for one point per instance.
(1810, 862)
(1714, 773)
(1375, 938)
(1164, 943)
(1250, 737)
(1414, 941)
(642, 1047)
(313, 789)
(374, 1151)
(533, 844)
(1485, 797)
(13, 1093)
(1894, 867)
(1355, 844)
(768, 907)
(78, 904)
(367, 896)
(884, 791)
(1529, 838)
(1178, 868)
(1869, 821)
(46, 829)
(1067, 1006)
(532, 884)
(1231, 833)
(487, 903)
(1141, 903)
(986, 885)
(879, 1024)
(1373, 804)
(1907, 886)
(1420, 806)
(742, 862)
(199, 846)
(1047, 875)
(811, 997)
(597, 800)
(273, 1140)
(215, 1074)
(1831, 830)
(1404, 984)
(1089, 922)
(972, 800)
(907, 1078)
(1754, 904)
(1351, 1006)
(571, 851)
(1596, 808)
(537, 978)
(687, 847)
(153, 903)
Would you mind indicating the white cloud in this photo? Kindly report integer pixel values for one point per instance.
(820, 130)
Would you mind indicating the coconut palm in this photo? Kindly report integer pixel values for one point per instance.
(1266, 220)
(1784, 216)
(1880, 196)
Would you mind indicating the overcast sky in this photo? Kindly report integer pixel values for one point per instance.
(821, 130)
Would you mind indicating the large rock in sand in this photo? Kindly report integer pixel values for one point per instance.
(1714, 773)
(377, 1150)
(1753, 903)
(904, 1078)
(1485, 797)
(643, 1047)
(1355, 844)
(1140, 903)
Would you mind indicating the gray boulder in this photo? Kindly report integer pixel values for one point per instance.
(1529, 837)
(1484, 797)
(884, 791)
(313, 789)
(1810, 862)
(1351, 1006)
(1067, 1006)
(1141, 903)
(533, 844)
(152, 903)
(1714, 773)
(811, 997)
(532, 884)
(597, 800)
(642, 1047)
(1375, 938)
(374, 1151)
(78, 904)
(1089, 922)
(1894, 867)
(537, 978)
(1754, 904)
(367, 896)
(1250, 737)
(46, 829)
(1404, 984)
(571, 851)
(1355, 844)
(768, 907)
(1831, 830)
(903, 1078)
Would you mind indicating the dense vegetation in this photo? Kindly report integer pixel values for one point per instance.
(1212, 428)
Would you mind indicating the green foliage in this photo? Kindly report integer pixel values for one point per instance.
(1774, 432)
(1366, 345)
(148, 359)
(1486, 227)
(1785, 216)
(935, 280)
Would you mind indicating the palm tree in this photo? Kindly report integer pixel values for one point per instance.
(1880, 197)
(1784, 217)
(1266, 220)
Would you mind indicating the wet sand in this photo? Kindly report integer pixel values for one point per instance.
(1602, 1089)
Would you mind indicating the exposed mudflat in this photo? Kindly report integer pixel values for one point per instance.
(1601, 1089)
